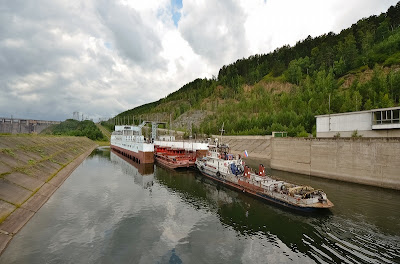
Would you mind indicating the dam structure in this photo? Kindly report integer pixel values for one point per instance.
(24, 126)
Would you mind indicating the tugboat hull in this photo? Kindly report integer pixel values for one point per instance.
(263, 196)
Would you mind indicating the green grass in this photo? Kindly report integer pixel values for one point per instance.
(8, 152)
(102, 143)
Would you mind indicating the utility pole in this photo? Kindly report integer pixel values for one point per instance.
(190, 129)
(222, 131)
(329, 112)
(356, 103)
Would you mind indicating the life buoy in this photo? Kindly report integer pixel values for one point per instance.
(219, 156)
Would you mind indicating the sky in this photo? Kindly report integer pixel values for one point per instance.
(103, 57)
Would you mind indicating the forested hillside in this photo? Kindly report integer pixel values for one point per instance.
(71, 127)
(284, 90)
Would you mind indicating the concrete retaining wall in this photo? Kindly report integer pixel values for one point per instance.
(368, 161)
(291, 156)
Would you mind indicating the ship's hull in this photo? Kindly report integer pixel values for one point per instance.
(261, 195)
(139, 157)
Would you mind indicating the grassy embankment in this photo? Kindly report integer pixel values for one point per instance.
(106, 134)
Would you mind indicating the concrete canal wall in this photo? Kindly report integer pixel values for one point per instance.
(370, 161)
(32, 168)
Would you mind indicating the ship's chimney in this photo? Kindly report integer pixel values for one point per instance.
(261, 170)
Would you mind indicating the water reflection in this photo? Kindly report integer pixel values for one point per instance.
(142, 173)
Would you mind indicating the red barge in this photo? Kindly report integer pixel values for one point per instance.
(174, 158)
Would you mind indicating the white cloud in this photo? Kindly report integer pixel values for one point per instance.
(214, 29)
(277, 23)
(104, 57)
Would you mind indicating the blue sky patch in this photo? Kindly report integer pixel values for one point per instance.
(176, 10)
(108, 45)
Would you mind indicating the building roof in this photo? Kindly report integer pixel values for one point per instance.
(360, 112)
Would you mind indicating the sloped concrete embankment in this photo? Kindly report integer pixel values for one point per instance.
(31, 170)
(370, 161)
(258, 147)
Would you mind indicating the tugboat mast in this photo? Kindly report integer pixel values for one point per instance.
(222, 131)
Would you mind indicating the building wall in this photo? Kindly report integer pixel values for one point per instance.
(386, 123)
(344, 123)
(367, 161)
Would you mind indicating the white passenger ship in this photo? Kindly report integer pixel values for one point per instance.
(129, 141)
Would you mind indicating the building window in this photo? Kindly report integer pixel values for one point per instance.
(386, 117)
(377, 118)
(396, 116)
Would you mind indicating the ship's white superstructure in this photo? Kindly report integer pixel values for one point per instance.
(129, 141)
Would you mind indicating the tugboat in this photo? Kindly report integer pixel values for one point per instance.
(231, 171)
(174, 158)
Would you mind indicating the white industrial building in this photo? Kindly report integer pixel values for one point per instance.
(382, 122)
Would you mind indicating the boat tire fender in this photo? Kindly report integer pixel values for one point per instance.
(218, 174)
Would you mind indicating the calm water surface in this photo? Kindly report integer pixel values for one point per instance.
(112, 211)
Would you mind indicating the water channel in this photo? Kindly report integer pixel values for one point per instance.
(111, 210)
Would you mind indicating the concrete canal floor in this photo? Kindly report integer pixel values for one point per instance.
(32, 168)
